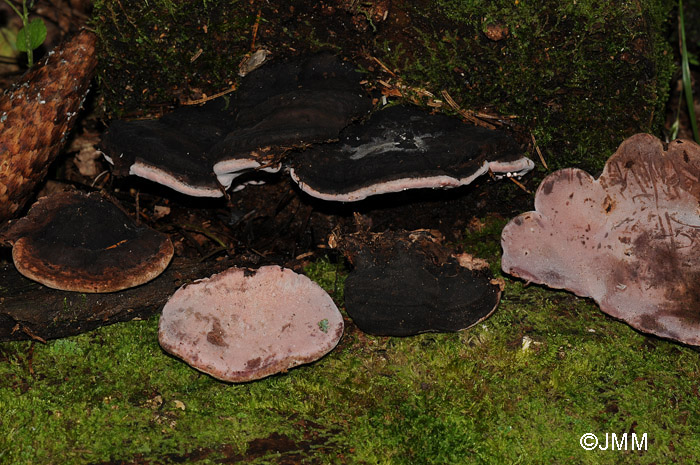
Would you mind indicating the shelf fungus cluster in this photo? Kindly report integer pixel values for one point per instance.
(85, 243)
(311, 115)
(406, 282)
(629, 239)
(242, 325)
(199, 151)
(303, 105)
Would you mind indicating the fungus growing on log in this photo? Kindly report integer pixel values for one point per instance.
(241, 324)
(36, 114)
(29, 310)
(402, 148)
(282, 105)
(406, 283)
(84, 243)
(630, 239)
(172, 151)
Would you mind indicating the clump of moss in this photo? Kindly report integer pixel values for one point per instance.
(581, 75)
(330, 276)
(154, 53)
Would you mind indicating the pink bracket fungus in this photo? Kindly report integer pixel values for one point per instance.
(84, 243)
(200, 151)
(403, 147)
(630, 239)
(242, 325)
(406, 283)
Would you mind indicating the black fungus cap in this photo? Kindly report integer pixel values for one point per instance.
(406, 283)
(282, 105)
(404, 147)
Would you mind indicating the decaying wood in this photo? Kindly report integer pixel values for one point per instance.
(29, 310)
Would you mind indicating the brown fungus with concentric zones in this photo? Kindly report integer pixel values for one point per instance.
(84, 243)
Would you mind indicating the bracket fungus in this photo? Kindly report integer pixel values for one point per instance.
(242, 325)
(282, 105)
(403, 147)
(296, 102)
(629, 239)
(37, 113)
(172, 151)
(407, 283)
(84, 243)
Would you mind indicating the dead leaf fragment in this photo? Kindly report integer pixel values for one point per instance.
(471, 262)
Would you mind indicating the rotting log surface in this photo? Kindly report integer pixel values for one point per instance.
(29, 310)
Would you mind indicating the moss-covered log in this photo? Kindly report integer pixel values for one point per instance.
(581, 76)
(158, 52)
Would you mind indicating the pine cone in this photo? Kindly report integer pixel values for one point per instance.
(36, 115)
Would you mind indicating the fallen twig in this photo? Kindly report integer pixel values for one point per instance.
(210, 97)
(539, 152)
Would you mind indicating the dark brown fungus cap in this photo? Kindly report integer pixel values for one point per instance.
(403, 147)
(629, 239)
(173, 151)
(277, 82)
(84, 243)
(241, 324)
(36, 114)
(287, 104)
(199, 150)
(406, 283)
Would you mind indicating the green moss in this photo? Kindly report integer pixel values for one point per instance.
(330, 276)
(484, 238)
(152, 53)
(581, 75)
(521, 387)
(73, 306)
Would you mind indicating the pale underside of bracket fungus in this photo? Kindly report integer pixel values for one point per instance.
(241, 324)
(36, 114)
(404, 147)
(200, 151)
(630, 239)
(84, 243)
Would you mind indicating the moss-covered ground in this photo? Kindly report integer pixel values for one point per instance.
(521, 387)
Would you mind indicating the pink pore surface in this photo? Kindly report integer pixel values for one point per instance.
(630, 239)
(515, 168)
(241, 325)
